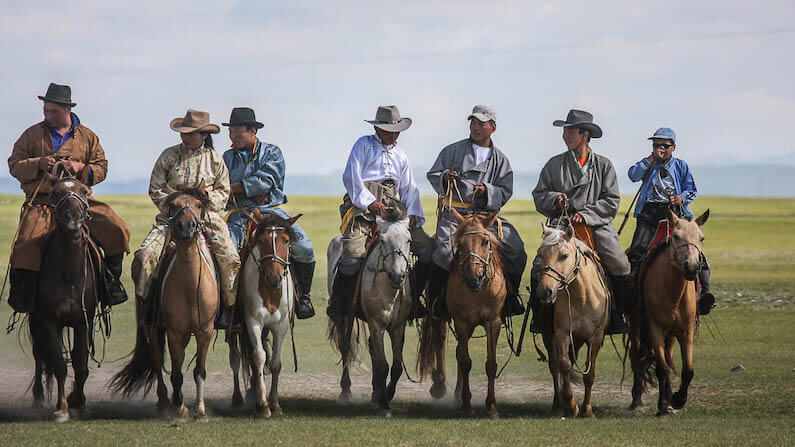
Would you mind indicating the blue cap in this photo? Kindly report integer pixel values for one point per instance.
(664, 133)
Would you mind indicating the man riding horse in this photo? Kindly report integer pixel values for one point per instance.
(256, 172)
(474, 176)
(667, 183)
(378, 180)
(62, 139)
(582, 185)
(187, 165)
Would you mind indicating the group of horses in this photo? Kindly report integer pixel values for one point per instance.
(572, 285)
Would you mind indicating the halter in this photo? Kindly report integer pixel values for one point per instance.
(199, 220)
(273, 257)
(384, 256)
(566, 280)
(71, 195)
(674, 249)
(479, 259)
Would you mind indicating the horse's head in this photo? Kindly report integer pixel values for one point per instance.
(559, 257)
(685, 246)
(271, 246)
(475, 248)
(69, 203)
(394, 247)
(186, 212)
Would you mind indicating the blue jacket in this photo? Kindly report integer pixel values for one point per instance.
(262, 175)
(677, 169)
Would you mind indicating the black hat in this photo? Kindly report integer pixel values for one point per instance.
(59, 94)
(581, 120)
(243, 116)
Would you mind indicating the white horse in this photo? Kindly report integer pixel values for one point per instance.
(266, 292)
(385, 297)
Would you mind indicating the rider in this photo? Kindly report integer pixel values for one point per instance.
(480, 179)
(191, 164)
(61, 138)
(582, 184)
(256, 172)
(377, 177)
(669, 184)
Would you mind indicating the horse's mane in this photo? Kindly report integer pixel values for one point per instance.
(274, 220)
(469, 220)
(555, 237)
(197, 194)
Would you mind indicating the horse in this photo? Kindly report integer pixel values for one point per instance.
(574, 283)
(385, 297)
(266, 293)
(476, 292)
(189, 300)
(666, 312)
(67, 298)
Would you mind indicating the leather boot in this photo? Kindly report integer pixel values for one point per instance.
(706, 300)
(340, 299)
(623, 297)
(513, 304)
(22, 289)
(436, 293)
(303, 276)
(421, 272)
(113, 267)
(537, 323)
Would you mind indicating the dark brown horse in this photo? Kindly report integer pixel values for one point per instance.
(67, 298)
(476, 292)
(666, 313)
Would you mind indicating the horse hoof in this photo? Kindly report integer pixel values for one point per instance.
(61, 416)
(492, 414)
(276, 411)
(201, 417)
(263, 411)
(678, 401)
(181, 412)
(438, 390)
(75, 401)
(667, 411)
(588, 414)
(345, 397)
(385, 413)
(636, 406)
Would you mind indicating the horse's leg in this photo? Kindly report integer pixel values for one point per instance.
(663, 376)
(492, 334)
(569, 406)
(203, 340)
(38, 357)
(51, 338)
(375, 394)
(464, 332)
(397, 337)
(439, 375)
(176, 348)
(638, 372)
(156, 354)
(255, 335)
(679, 398)
(77, 398)
(234, 363)
(275, 363)
(593, 350)
(380, 367)
(553, 365)
(345, 380)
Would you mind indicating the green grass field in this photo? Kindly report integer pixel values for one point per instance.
(750, 243)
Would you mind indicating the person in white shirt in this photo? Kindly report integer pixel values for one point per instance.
(378, 180)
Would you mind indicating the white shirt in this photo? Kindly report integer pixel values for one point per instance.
(372, 161)
(481, 153)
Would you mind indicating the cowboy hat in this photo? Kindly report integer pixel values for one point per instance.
(388, 118)
(59, 94)
(194, 121)
(581, 120)
(243, 116)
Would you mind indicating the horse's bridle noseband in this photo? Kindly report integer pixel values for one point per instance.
(479, 259)
(199, 220)
(273, 257)
(564, 280)
(84, 214)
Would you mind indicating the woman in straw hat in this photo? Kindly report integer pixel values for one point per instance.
(191, 164)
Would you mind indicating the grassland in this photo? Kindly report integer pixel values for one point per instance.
(751, 245)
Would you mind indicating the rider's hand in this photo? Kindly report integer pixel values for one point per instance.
(577, 219)
(74, 166)
(450, 175)
(562, 202)
(45, 163)
(675, 200)
(377, 208)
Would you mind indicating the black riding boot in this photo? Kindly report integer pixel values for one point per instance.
(707, 300)
(623, 298)
(303, 276)
(116, 292)
(22, 289)
(224, 317)
(340, 299)
(513, 304)
(421, 272)
(437, 301)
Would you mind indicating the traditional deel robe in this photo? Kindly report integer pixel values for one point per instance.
(180, 168)
(262, 176)
(594, 194)
(105, 226)
(496, 174)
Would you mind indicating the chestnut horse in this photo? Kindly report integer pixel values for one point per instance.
(573, 282)
(187, 306)
(666, 312)
(476, 292)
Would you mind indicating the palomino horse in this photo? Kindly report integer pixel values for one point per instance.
(267, 294)
(573, 282)
(67, 298)
(476, 292)
(385, 298)
(187, 305)
(666, 312)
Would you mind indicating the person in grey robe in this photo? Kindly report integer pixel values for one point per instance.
(582, 184)
(480, 179)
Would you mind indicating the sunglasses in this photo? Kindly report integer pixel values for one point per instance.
(665, 145)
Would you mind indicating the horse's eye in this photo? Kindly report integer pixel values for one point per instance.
(677, 237)
(563, 256)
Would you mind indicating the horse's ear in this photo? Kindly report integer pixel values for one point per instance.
(257, 215)
(294, 218)
(457, 215)
(569, 232)
(84, 189)
(672, 216)
(702, 219)
(489, 221)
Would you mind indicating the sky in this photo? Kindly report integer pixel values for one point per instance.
(719, 72)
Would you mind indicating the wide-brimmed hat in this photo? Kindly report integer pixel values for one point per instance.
(483, 114)
(194, 121)
(59, 94)
(664, 133)
(388, 118)
(581, 120)
(243, 116)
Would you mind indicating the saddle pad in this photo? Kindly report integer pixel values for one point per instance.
(584, 233)
(663, 232)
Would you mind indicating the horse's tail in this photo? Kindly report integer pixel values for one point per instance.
(642, 359)
(141, 371)
(432, 341)
(344, 339)
(246, 351)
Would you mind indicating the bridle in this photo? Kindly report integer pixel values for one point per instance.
(564, 280)
(386, 255)
(479, 260)
(273, 257)
(199, 220)
(71, 195)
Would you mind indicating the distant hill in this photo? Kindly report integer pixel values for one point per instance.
(737, 181)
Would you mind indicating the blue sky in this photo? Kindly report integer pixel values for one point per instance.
(719, 72)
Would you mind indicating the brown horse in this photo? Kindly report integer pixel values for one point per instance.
(188, 304)
(66, 297)
(475, 295)
(666, 312)
(572, 282)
